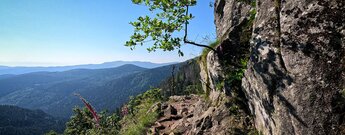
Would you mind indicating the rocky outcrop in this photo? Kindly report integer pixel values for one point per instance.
(232, 19)
(192, 115)
(296, 69)
(295, 73)
(226, 112)
(279, 66)
(228, 15)
(177, 115)
(214, 76)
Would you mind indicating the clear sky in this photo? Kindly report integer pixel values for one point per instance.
(70, 32)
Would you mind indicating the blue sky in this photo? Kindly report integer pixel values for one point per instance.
(71, 32)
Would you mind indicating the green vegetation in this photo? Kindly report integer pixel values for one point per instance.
(171, 18)
(96, 85)
(186, 80)
(82, 123)
(144, 112)
(220, 85)
(237, 74)
(194, 89)
(52, 132)
(205, 51)
(234, 109)
(234, 60)
(138, 114)
(19, 121)
(235, 68)
(252, 16)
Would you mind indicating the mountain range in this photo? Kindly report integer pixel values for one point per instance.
(4, 70)
(53, 92)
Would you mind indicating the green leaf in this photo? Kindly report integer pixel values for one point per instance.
(169, 19)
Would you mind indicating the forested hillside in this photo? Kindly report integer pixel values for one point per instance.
(19, 121)
(185, 80)
(52, 80)
(53, 92)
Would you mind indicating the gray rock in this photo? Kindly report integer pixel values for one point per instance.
(297, 67)
(295, 75)
(215, 71)
(229, 13)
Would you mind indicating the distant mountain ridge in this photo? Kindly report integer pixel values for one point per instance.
(52, 92)
(77, 77)
(23, 70)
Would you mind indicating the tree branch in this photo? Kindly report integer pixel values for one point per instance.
(185, 40)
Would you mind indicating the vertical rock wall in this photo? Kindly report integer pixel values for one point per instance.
(231, 17)
(296, 69)
(295, 74)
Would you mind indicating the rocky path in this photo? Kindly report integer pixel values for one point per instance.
(192, 115)
(177, 117)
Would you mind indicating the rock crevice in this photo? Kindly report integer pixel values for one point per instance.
(295, 77)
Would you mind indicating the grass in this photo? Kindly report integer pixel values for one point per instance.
(220, 85)
(205, 51)
(137, 124)
(144, 116)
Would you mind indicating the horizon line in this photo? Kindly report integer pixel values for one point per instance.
(68, 65)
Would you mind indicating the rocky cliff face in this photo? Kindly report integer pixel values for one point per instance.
(295, 73)
(234, 24)
(279, 66)
(226, 111)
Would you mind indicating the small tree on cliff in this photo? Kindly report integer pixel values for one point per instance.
(172, 16)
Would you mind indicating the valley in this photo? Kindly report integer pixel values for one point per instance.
(19, 121)
(52, 92)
